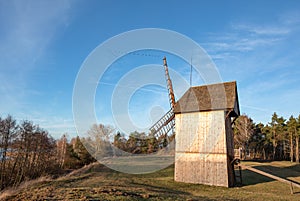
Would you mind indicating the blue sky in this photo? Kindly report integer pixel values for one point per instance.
(44, 43)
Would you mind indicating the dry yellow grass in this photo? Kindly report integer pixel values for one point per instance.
(97, 182)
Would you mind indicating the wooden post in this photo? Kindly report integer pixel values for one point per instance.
(292, 188)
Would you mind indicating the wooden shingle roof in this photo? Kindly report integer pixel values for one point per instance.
(221, 96)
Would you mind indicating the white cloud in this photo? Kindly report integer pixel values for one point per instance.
(291, 18)
(244, 37)
(27, 29)
(264, 61)
(238, 43)
(262, 30)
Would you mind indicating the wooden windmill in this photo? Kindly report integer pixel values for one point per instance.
(204, 138)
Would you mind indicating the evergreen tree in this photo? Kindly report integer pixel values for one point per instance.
(297, 139)
(292, 130)
(83, 155)
(277, 126)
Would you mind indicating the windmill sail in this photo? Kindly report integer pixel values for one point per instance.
(166, 124)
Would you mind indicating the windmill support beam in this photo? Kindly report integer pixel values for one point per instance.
(289, 182)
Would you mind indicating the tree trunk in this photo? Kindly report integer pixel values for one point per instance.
(274, 149)
(3, 150)
(274, 144)
(297, 149)
(291, 147)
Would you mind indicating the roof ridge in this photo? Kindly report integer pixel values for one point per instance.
(218, 96)
(234, 81)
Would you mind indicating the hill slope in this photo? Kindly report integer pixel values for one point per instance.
(97, 182)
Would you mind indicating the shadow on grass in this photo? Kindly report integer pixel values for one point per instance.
(289, 173)
(164, 192)
(252, 178)
(160, 189)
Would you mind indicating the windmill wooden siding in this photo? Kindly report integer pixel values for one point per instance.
(204, 137)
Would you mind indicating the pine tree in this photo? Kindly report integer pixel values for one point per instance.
(277, 126)
(292, 129)
(83, 155)
(297, 139)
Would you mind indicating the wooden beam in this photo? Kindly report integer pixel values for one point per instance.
(228, 113)
(291, 183)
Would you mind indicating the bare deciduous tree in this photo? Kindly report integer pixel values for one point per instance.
(243, 130)
(101, 140)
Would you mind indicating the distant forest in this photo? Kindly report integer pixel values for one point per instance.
(28, 151)
(277, 140)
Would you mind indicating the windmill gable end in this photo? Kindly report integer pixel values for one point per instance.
(204, 137)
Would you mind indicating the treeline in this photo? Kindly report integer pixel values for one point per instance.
(276, 140)
(141, 143)
(103, 141)
(72, 154)
(28, 152)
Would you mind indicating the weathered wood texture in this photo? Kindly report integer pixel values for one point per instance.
(221, 96)
(204, 148)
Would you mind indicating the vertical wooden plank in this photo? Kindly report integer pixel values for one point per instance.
(201, 148)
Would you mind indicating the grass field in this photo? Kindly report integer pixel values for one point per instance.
(97, 182)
